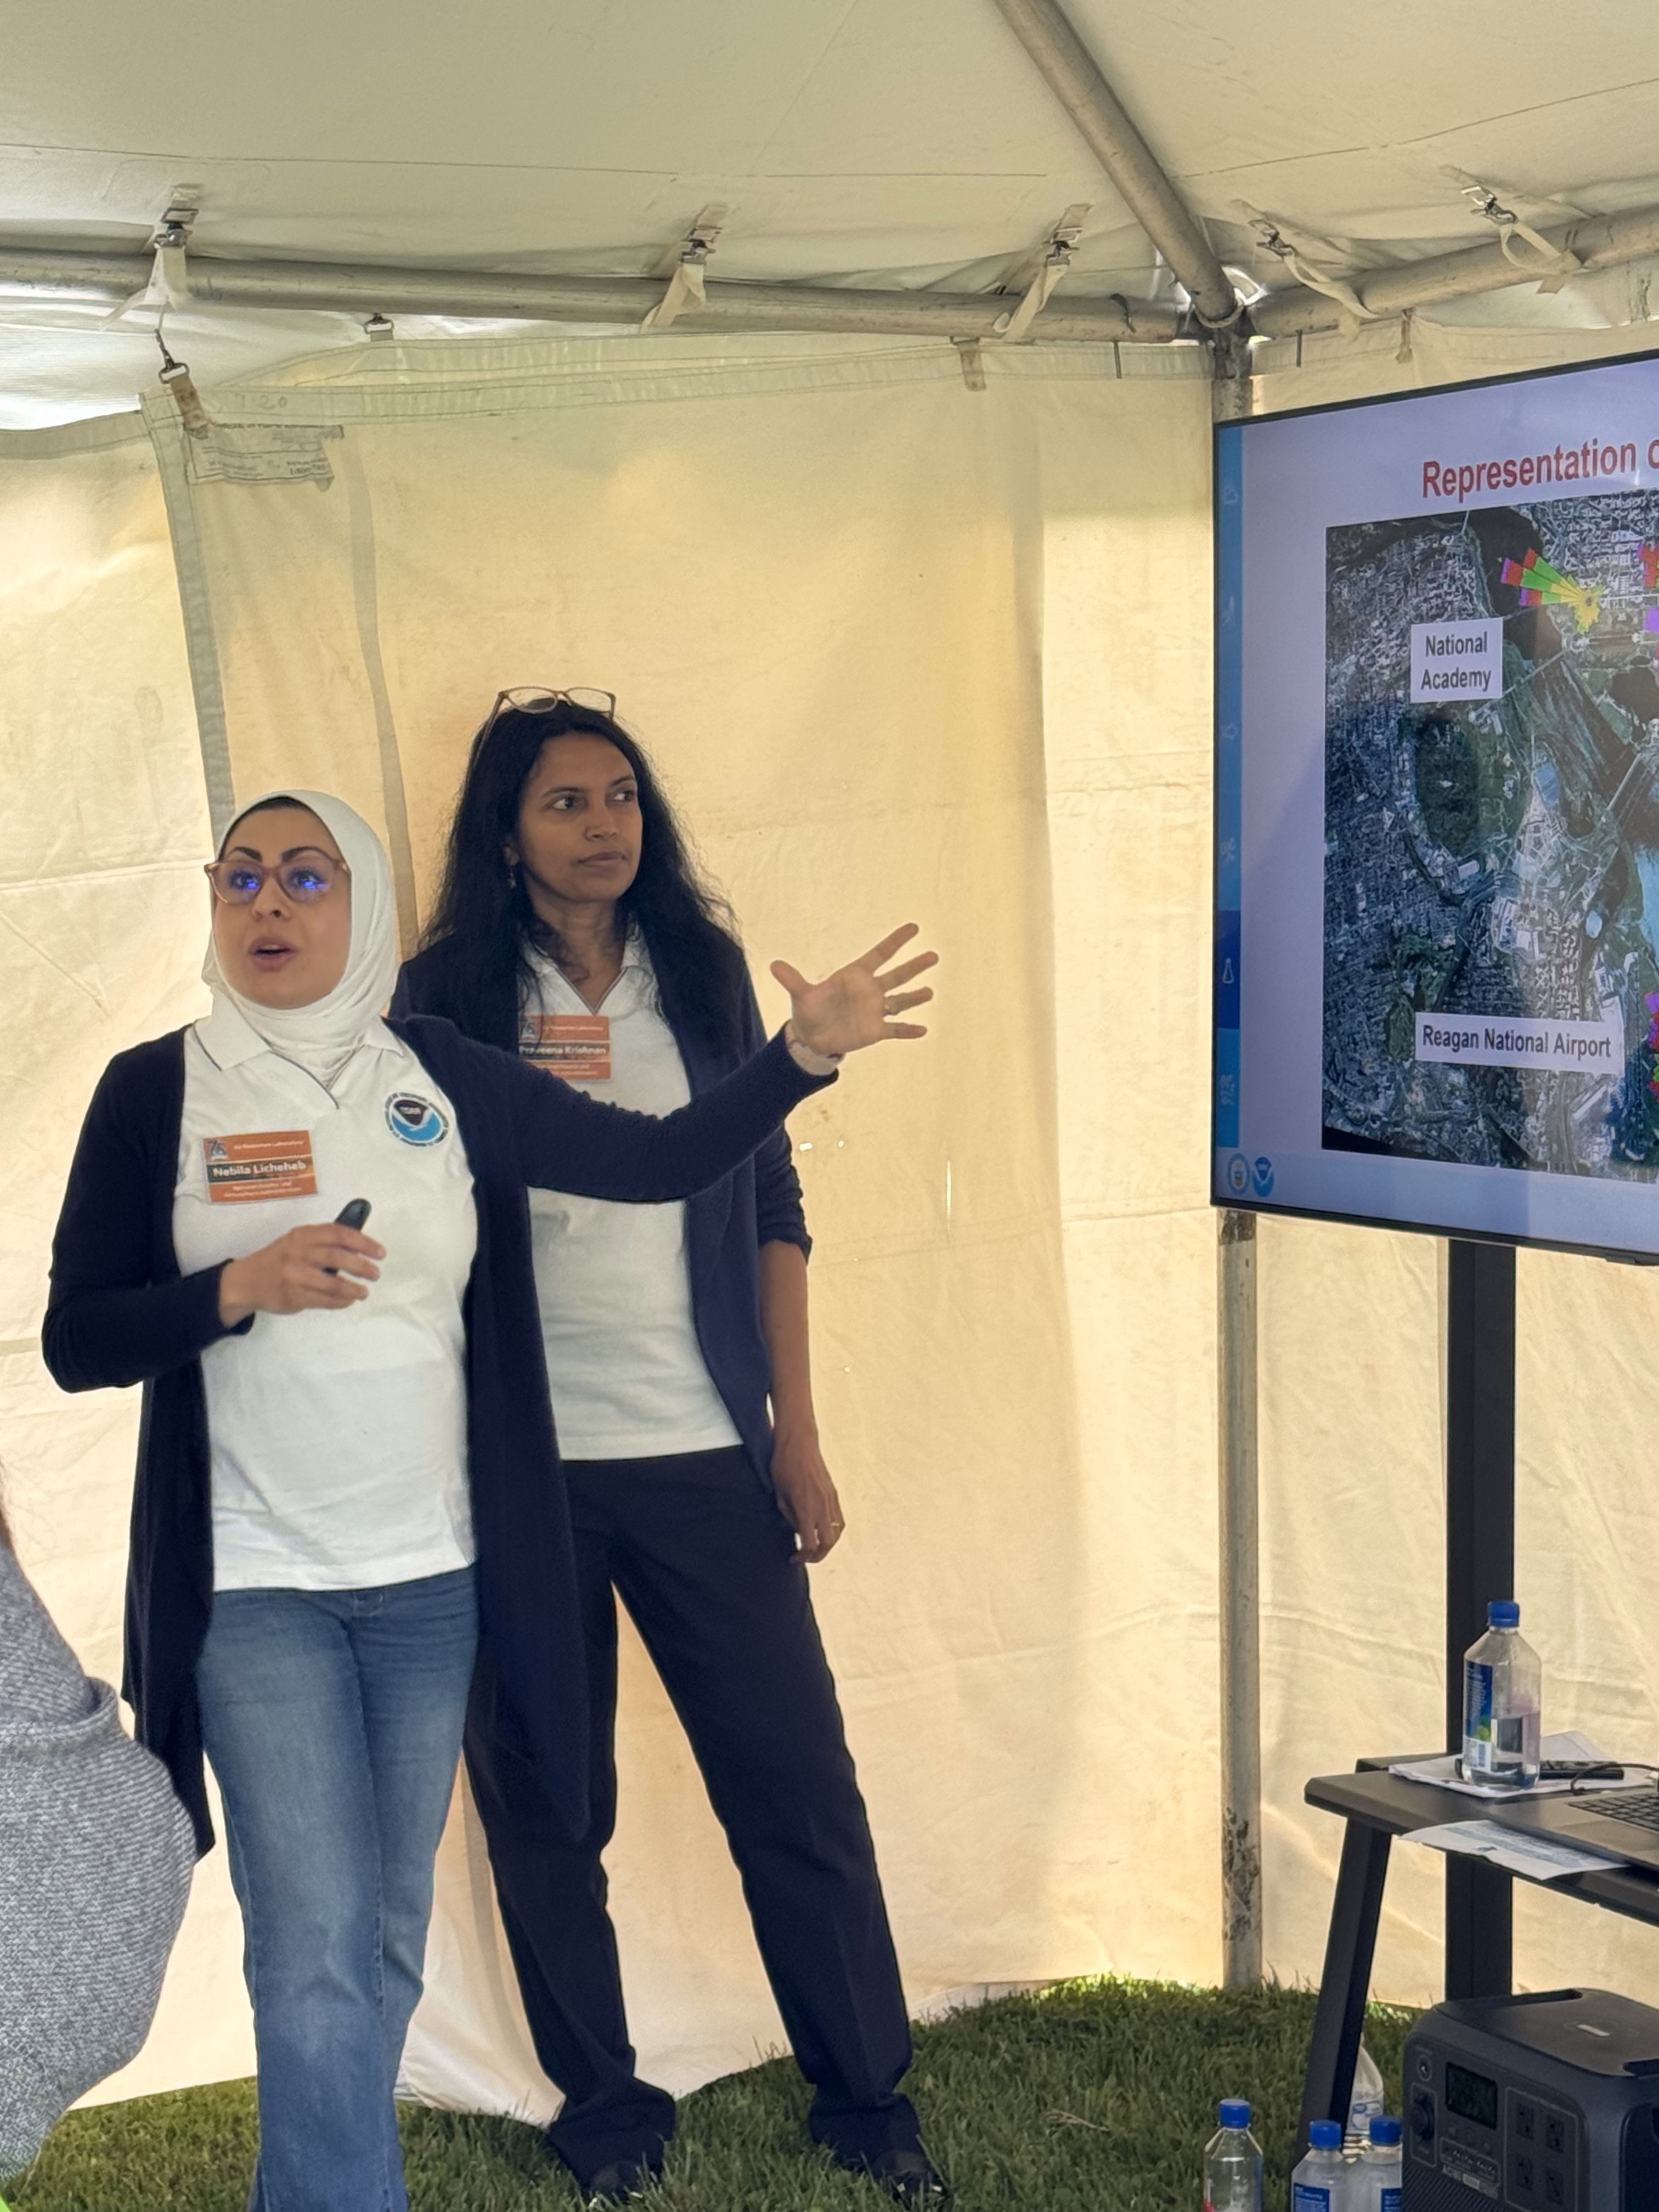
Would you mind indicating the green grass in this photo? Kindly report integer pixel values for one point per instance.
(1093, 2097)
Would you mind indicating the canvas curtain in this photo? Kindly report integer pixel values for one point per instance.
(102, 907)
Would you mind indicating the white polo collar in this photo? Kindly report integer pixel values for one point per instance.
(635, 954)
(635, 964)
(230, 1039)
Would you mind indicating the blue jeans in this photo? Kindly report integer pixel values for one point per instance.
(333, 1721)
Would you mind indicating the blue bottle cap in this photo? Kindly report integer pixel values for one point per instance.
(1385, 2133)
(1503, 1612)
(1235, 2112)
(1325, 2134)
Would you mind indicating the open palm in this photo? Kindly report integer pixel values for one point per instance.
(855, 1006)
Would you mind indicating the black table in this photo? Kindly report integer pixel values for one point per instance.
(1377, 1807)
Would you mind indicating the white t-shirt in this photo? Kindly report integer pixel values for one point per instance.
(338, 1439)
(626, 1373)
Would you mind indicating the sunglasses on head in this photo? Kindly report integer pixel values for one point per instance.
(533, 701)
(302, 877)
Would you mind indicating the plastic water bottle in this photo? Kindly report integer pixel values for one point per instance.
(1366, 2101)
(1322, 2182)
(1376, 2179)
(1233, 2163)
(1503, 1692)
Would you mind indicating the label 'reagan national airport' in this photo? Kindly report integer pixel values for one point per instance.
(1564, 1047)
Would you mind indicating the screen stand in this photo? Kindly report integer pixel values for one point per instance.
(1480, 1565)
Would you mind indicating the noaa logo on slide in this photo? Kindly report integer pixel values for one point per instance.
(1238, 1175)
(415, 1119)
(1261, 1177)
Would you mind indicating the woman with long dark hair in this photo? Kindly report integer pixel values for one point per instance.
(573, 925)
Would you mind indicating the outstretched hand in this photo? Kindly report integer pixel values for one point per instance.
(855, 1006)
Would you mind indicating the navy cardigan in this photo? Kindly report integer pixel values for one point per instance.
(759, 1203)
(119, 1313)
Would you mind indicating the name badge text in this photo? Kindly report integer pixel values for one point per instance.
(259, 1163)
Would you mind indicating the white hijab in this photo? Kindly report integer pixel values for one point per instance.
(323, 1035)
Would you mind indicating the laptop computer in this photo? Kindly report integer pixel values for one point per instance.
(1624, 1823)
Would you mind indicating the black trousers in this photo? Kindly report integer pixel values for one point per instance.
(704, 1562)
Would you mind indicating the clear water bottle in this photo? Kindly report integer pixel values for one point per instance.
(1322, 2182)
(1233, 2163)
(1502, 1693)
(1376, 2178)
(1366, 2102)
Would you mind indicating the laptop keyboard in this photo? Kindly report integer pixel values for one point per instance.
(1640, 1807)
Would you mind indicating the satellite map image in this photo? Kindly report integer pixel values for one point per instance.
(1491, 837)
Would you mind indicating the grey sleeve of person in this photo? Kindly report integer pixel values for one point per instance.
(95, 1860)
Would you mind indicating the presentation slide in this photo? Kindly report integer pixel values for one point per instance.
(1437, 992)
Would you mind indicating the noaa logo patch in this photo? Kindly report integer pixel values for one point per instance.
(415, 1119)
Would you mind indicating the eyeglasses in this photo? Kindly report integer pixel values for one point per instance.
(533, 701)
(304, 877)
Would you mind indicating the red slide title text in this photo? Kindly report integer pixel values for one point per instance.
(1569, 464)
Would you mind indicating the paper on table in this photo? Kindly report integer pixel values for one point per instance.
(1540, 1858)
(1571, 1744)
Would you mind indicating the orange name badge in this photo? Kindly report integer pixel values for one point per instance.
(575, 1046)
(264, 1164)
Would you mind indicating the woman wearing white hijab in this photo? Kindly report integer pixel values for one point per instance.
(349, 1517)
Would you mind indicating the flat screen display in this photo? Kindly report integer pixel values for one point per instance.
(1437, 929)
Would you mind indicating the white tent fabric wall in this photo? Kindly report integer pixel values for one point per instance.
(895, 640)
(101, 910)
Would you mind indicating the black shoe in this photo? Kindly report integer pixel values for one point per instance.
(622, 2179)
(908, 2174)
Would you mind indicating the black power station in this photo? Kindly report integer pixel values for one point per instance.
(1547, 2103)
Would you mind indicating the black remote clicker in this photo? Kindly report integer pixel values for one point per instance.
(351, 1215)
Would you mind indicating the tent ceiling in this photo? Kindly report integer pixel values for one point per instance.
(874, 142)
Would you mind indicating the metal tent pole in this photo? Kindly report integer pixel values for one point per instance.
(69, 270)
(1239, 1560)
(1240, 1645)
(1075, 78)
(367, 288)
(1604, 241)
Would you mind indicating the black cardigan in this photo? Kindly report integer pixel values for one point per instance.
(119, 1313)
